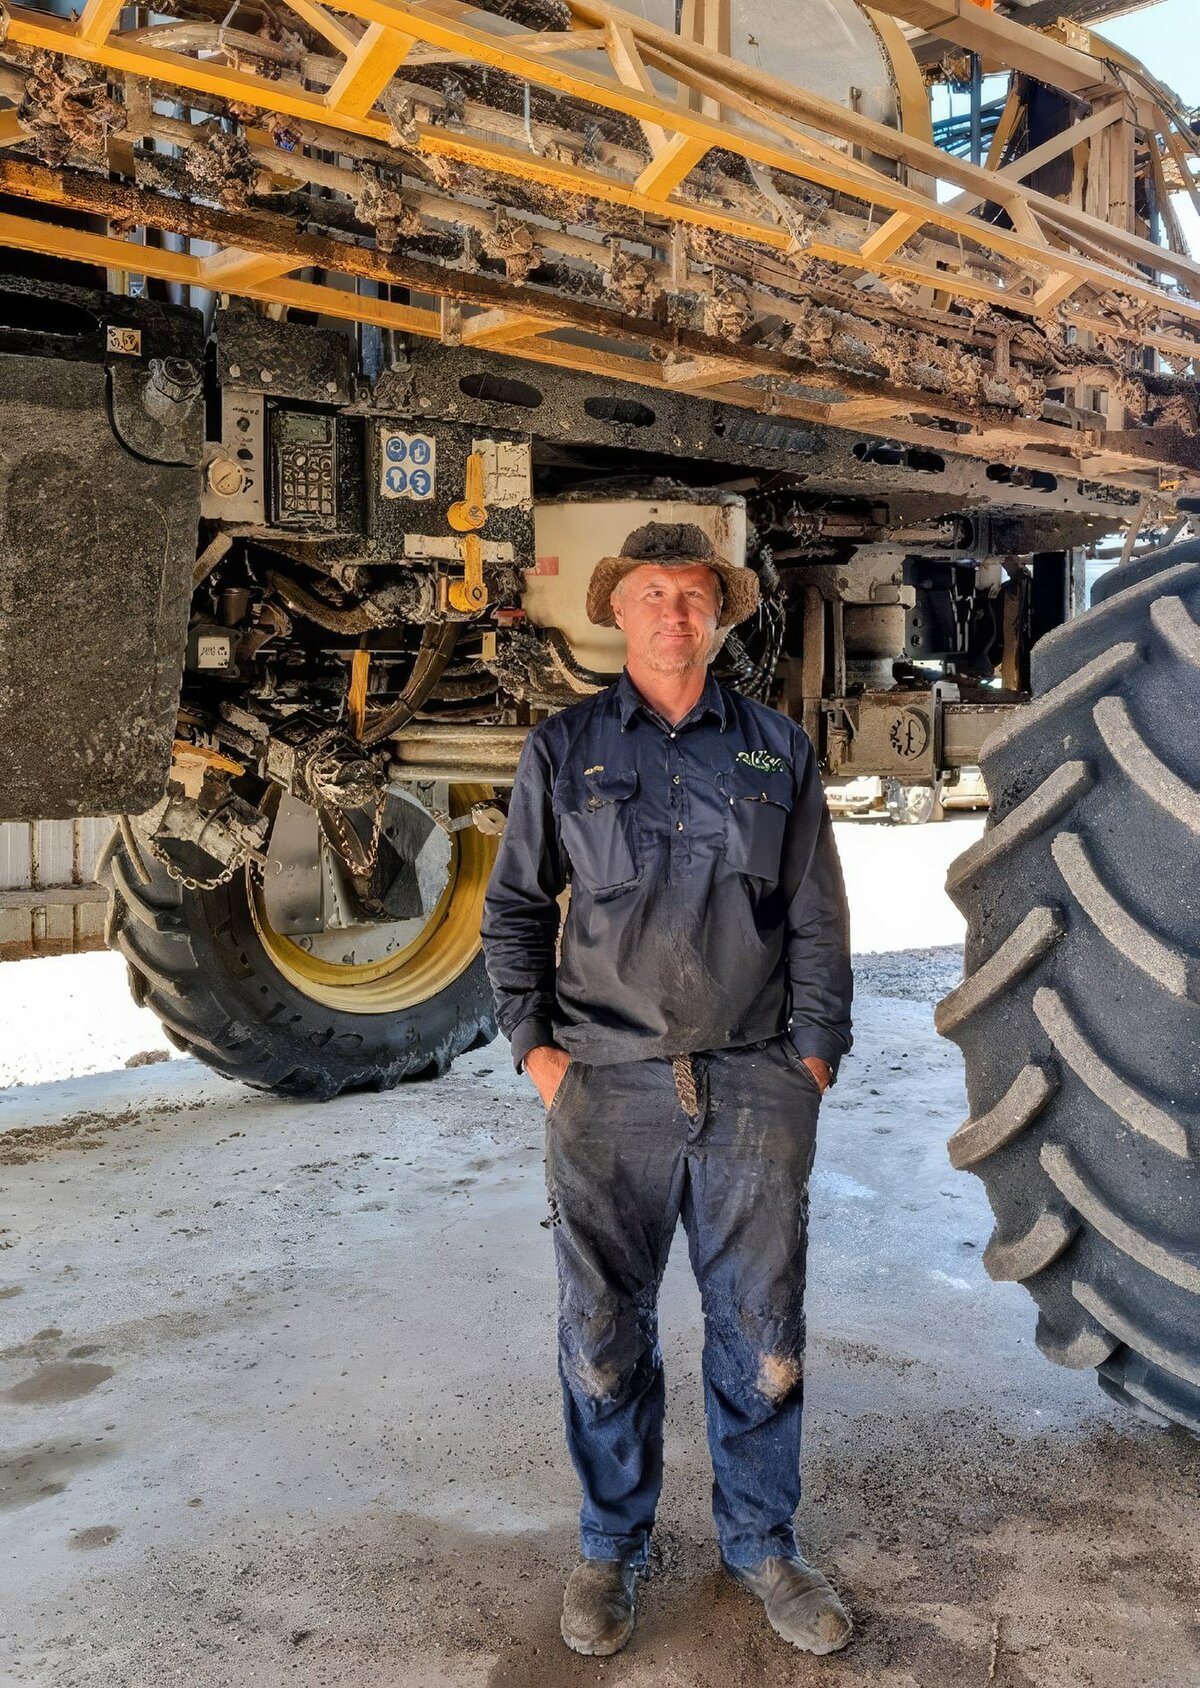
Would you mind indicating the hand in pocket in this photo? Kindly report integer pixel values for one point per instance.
(547, 1067)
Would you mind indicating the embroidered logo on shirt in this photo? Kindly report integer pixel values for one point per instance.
(762, 760)
(596, 768)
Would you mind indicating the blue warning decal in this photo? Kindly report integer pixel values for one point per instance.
(408, 464)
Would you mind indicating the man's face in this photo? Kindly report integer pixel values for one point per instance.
(668, 616)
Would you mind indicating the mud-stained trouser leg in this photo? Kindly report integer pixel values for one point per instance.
(614, 1167)
(745, 1208)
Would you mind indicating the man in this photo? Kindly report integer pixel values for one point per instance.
(681, 1046)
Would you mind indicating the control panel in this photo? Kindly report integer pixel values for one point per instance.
(303, 468)
(233, 479)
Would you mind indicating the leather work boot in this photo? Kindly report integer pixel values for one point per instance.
(801, 1605)
(599, 1606)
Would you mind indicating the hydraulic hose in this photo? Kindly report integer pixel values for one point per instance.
(437, 645)
(306, 603)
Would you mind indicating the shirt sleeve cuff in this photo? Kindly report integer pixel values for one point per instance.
(825, 1046)
(531, 1033)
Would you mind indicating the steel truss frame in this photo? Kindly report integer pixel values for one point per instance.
(663, 213)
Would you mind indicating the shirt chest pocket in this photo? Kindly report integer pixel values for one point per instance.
(596, 820)
(757, 805)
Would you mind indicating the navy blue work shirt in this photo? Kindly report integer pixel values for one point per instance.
(707, 908)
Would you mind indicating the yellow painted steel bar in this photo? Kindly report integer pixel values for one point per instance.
(672, 54)
(226, 83)
(356, 695)
(668, 168)
(202, 76)
(515, 162)
(506, 53)
(89, 247)
(97, 18)
(627, 62)
(1053, 291)
(368, 70)
(350, 307)
(890, 237)
(227, 270)
(495, 329)
(85, 246)
(230, 84)
(1010, 43)
(326, 24)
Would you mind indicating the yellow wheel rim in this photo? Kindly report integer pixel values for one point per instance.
(443, 950)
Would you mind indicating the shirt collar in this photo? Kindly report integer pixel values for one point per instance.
(710, 701)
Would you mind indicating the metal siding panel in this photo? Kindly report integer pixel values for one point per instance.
(64, 854)
(55, 853)
(93, 836)
(15, 856)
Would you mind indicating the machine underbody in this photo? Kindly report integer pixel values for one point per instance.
(474, 281)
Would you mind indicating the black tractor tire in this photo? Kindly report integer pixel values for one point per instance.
(196, 959)
(1079, 1013)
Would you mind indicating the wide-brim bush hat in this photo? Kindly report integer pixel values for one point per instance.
(672, 545)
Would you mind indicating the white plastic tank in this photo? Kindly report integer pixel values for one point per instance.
(838, 49)
(828, 47)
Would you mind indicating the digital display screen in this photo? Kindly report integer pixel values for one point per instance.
(301, 429)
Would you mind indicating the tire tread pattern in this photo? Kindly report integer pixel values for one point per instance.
(1079, 992)
(195, 961)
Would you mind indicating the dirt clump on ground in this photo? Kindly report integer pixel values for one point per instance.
(88, 1129)
(84, 1130)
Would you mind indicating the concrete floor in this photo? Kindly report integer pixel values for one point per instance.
(278, 1403)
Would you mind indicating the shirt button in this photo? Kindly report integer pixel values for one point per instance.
(679, 826)
(672, 735)
(675, 779)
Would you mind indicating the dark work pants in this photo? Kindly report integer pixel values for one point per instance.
(623, 1164)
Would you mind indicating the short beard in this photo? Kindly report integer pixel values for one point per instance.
(677, 664)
